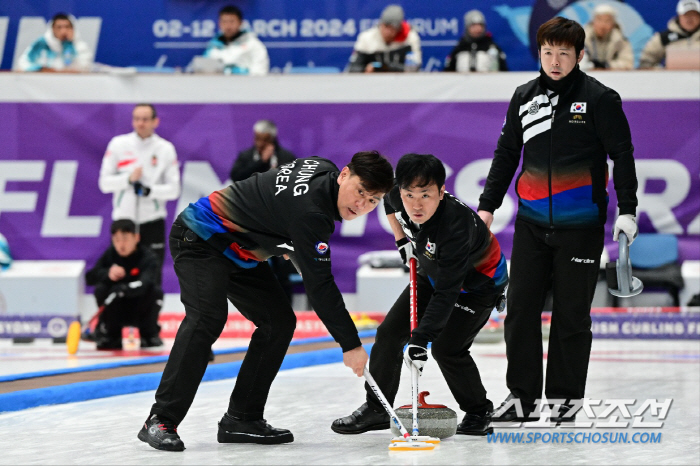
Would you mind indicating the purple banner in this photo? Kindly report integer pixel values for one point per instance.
(51, 207)
(667, 326)
(34, 326)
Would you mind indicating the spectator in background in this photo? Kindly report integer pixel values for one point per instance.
(240, 51)
(683, 31)
(606, 47)
(265, 154)
(141, 170)
(476, 50)
(389, 46)
(125, 289)
(59, 49)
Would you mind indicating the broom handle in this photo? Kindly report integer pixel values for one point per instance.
(414, 324)
(387, 407)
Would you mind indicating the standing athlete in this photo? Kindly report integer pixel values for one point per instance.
(142, 172)
(567, 123)
(220, 245)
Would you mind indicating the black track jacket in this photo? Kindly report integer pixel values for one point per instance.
(456, 252)
(288, 210)
(567, 137)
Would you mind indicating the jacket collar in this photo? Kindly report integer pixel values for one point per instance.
(561, 86)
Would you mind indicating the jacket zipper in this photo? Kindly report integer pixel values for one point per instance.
(549, 172)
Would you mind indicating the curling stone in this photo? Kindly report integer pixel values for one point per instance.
(433, 420)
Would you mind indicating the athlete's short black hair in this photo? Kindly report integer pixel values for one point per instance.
(374, 170)
(561, 31)
(231, 10)
(123, 225)
(419, 170)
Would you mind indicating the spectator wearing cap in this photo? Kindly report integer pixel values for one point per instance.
(386, 46)
(476, 51)
(60, 49)
(683, 31)
(606, 47)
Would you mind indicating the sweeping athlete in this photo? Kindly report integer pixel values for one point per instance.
(567, 123)
(461, 278)
(220, 245)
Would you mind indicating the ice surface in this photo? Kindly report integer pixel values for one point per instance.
(307, 400)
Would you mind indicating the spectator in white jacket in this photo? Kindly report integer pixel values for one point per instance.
(606, 46)
(59, 49)
(386, 46)
(240, 51)
(141, 170)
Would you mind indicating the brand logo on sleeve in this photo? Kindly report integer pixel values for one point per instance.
(322, 248)
(578, 107)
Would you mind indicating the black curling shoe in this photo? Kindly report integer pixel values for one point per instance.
(234, 430)
(473, 424)
(161, 434)
(362, 420)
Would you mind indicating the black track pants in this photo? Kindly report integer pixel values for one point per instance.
(450, 349)
(206, 279)
(568, 261)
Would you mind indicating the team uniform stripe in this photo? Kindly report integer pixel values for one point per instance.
(539, 99)
(125, 162)
(575, 207)
(532, 186)
(529, 120)
(536, 121)
(489, 261)
(539, 128)
(561, 183)
(537, 210)
(201, 217)
(500, 277)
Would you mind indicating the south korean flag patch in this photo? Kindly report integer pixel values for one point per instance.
(578, 107)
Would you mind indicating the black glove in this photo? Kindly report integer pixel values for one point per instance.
(415, 356)
(140, 189)
(599, 64)
(501, 303)
(406, 249)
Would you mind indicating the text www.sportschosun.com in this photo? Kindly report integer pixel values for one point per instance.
(574, 437)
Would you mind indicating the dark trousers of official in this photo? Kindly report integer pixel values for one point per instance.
(141, 311)
(450, 349)
(153, 236)
(207, 278)
(567, 261)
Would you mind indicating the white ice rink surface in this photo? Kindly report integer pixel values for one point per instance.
(307, 400)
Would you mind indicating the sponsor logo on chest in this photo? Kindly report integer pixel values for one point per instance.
(578, 109)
